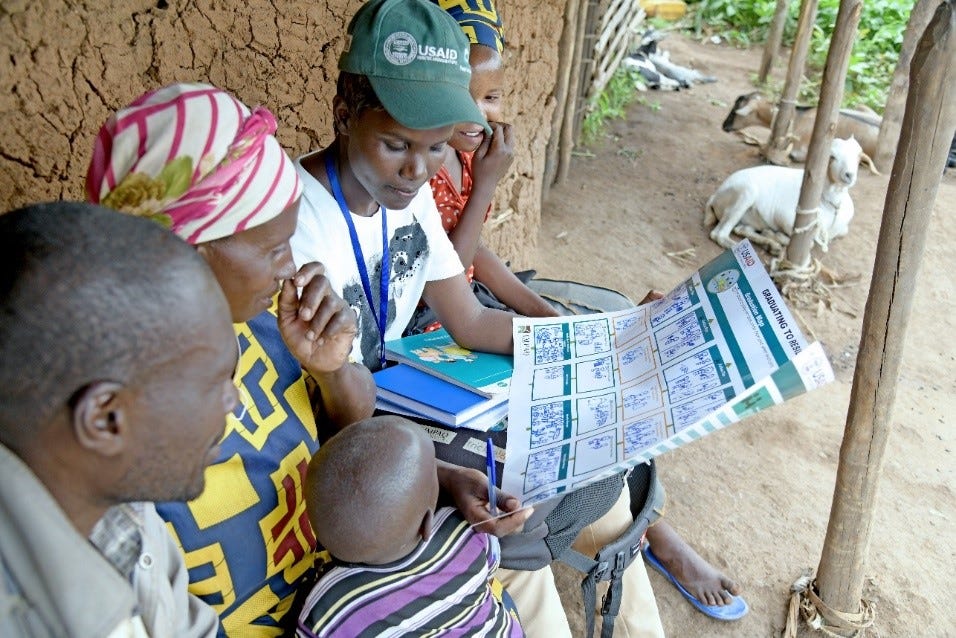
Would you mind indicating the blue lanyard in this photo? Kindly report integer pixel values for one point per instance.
(382, 315)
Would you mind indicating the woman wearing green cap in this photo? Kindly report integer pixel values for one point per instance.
(404, 86)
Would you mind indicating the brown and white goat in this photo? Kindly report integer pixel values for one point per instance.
(754, 109)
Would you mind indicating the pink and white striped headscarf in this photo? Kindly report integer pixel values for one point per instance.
(194, 158)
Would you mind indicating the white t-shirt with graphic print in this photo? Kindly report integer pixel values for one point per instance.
(419, 250)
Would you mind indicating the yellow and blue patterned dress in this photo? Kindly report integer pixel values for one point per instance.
(246, 539)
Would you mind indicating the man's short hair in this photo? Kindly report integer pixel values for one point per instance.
(86, 294)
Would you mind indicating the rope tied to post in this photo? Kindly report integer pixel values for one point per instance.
(822, 237)
(805, 602)
(811, 225)
(815, 211)
(805, 286)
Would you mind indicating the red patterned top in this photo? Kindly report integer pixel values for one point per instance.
(450, 201)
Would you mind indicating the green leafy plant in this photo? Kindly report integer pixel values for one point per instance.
(611, 103)
(742, 23)
(875, 50)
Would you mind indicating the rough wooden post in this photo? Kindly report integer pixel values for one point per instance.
(818, 154)
(779, 144)
(566, 60)
(774, 38)
(570, 110)
(896, 96)
(927, 130)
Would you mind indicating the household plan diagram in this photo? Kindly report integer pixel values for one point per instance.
(594, 394)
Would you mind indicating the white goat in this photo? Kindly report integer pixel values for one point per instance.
(760, 203)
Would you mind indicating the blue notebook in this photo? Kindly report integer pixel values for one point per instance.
(427, 395)
(493, 420)
(437, 354)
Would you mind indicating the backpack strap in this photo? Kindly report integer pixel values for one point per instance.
(609, 564)
(615, 557)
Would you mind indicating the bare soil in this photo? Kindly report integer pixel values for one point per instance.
(755, 498)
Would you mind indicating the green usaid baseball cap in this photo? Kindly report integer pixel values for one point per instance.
(416, 58)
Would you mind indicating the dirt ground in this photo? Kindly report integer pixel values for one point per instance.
(755, 498)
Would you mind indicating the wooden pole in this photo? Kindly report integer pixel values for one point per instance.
(896, 96)
(927, 129)
(815, 176)
(565, 62)
(774, 38)
(574, 81)
(779, 144)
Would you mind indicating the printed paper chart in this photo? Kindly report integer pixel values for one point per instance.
(593, 394)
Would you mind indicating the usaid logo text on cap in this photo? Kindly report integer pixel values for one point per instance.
(401, 48)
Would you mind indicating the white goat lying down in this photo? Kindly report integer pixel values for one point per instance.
(760, 203)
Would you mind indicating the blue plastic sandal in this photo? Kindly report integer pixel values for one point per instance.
(736, 610)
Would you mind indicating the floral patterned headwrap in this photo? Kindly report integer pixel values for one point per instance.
(194, 158)
(478, 19)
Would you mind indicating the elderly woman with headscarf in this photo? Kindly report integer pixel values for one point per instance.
(195, 159)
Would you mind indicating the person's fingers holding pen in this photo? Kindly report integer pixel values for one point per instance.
(468, 489)
(511, 516)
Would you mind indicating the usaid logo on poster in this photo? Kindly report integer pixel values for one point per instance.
(401, 48)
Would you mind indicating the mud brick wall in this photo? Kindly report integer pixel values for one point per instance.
(65, 66)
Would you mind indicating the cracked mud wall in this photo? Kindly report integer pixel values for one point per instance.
(65, 66)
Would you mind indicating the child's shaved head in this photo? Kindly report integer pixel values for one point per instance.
(371, 490)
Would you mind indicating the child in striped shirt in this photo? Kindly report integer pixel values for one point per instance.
(397, 564)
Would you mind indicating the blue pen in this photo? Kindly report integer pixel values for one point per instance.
(492, 501)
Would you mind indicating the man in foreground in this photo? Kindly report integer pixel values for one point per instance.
(115, 380)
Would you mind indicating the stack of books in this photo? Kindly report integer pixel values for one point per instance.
(437, 379)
